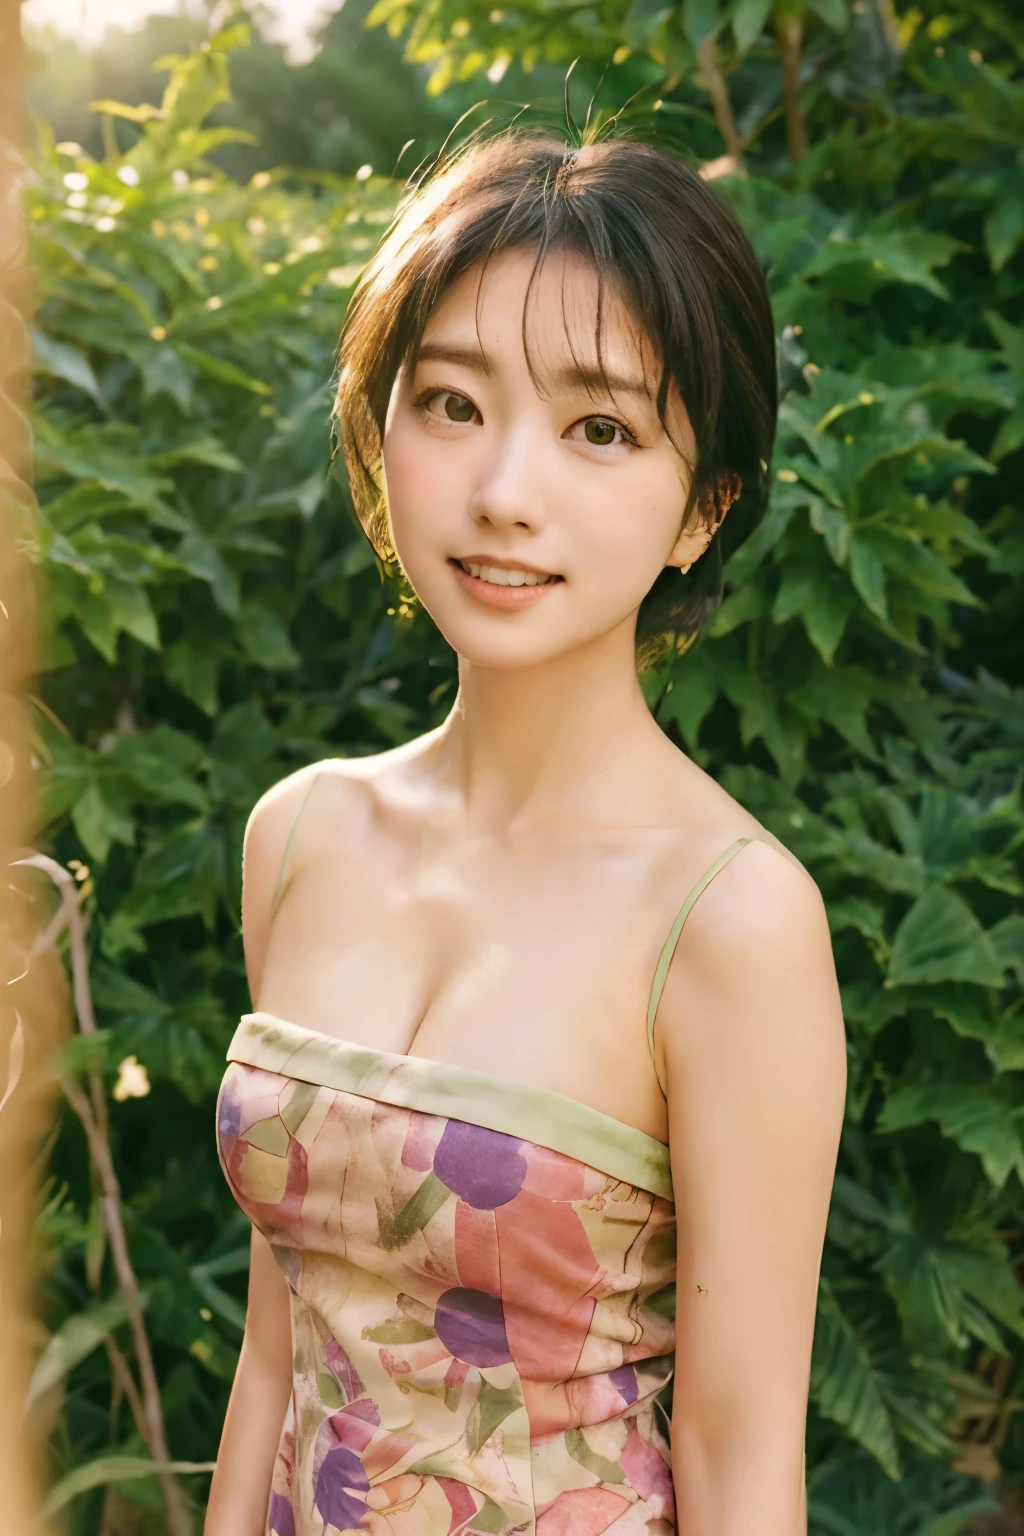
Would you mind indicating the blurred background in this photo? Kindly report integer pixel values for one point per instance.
(205, 184)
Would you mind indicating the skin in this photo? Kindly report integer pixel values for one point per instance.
(525, 861)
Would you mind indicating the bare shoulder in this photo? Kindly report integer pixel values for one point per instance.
(339, 787)
(763, 897)
(753, 980)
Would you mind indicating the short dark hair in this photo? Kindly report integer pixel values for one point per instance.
(673, 251)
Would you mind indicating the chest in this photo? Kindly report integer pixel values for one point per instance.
(499, 958)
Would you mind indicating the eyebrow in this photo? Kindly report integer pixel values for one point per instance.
(589, 377)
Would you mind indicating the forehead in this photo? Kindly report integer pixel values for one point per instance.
(558, 313)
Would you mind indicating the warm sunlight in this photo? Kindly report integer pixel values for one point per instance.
(288, 21)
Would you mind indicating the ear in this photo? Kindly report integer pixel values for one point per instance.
(695, 537)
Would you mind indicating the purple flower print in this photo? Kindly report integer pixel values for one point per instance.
(471, 1326)
(282, 1517)
(625, 1383)
(229, 1110)
(340, 1473)
(484, 1168)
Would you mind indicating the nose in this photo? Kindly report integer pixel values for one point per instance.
(509, 494)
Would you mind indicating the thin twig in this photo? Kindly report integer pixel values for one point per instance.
(125, 1382)
(67, 888)
(110, 1206)
(789, 29)
(93, 1118)
(721, 104)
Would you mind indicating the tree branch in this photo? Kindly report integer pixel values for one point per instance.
(92, 1114)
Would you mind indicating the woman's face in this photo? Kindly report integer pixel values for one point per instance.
(532, 518)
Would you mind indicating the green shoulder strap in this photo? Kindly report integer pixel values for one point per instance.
(289, 848)
(669, 949)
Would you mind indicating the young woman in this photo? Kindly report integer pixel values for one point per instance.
(515, 1142)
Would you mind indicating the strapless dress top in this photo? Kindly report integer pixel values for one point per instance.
(482, 1293)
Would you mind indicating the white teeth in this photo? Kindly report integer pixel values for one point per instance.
(505, 578)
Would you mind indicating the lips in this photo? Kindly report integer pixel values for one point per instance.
(506, 588)
(501, 575)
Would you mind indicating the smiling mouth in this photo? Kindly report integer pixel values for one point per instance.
(506, 576)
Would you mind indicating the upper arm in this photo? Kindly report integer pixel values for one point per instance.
(263, 854)
(754, 1053)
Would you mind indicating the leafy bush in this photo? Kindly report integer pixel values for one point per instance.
(214, 619)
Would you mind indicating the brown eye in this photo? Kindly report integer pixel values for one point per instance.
(600, 433)
(458, 408)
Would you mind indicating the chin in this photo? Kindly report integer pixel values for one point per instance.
(497, 652)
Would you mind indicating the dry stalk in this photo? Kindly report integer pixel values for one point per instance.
(721, 103)
(789, 29)
(124, 1381)
(92, 1114)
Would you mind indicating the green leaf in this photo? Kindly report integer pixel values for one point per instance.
(1010, 436)
(83, 1053)
(76, 1338)
(163, 372)
(830, 522)
(972, 1116)
(1004, 226)
(740, 607)
(399, 1330)
(941, 939)
(492, 1407)
(856, 912)
(218, 1300)
(199, 556)
(688, 698)
(146, 113)
(1007, 938)
(63, 361)
(420, 1208)
(159, 761)
(221, 369)
(747, 559)
(946, 1290)
(842, 698)
(206, 450)
(114, 1469)
(846, 1385)
(265, 638)
(130, 611)
(868, 575)
(832, 12)
(193, 668)
(905, 256)
(825, 616)
(98, 824)
(748, 20)
(580, 1449)
(237, 35)
(701, 20)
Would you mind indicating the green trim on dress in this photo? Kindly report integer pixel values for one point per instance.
(540, 1115)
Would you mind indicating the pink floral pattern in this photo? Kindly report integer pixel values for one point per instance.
(480, 1324)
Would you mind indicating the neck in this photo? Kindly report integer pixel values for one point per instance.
(525, 744)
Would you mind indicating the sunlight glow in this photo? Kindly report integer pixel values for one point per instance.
(287, 21)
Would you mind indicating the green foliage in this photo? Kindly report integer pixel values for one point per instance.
(355, 102)
(214, 619)
(213, 616)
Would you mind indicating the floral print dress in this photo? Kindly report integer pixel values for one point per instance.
(482, 1280)
(482, 1293)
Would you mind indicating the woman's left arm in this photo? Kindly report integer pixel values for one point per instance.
(752, 1049)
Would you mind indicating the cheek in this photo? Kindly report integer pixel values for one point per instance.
(631, 521)
(416, 487)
